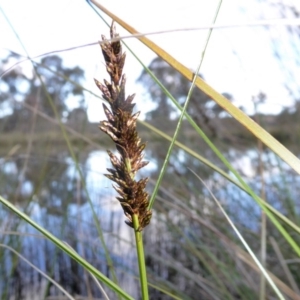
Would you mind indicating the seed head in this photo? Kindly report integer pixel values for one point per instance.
(120, 126)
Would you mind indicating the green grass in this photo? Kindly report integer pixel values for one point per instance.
(189, 247)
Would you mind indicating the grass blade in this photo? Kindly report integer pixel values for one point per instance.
(235, 112)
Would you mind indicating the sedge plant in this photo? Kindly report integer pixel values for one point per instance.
(120, 126)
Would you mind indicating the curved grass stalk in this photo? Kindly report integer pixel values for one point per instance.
(61, 245)
(235, 112)
(259, 132)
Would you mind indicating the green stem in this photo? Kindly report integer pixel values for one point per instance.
(66, 249)
(141, 257)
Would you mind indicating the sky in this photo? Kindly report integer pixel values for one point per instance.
(239, 61)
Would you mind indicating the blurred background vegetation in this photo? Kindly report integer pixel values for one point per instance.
(190, 249)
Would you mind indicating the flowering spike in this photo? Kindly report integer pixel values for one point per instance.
(121, 127)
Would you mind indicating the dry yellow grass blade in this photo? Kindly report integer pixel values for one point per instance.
(241, 117)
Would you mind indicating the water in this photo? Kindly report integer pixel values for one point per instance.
(52, 193)
(60, 204)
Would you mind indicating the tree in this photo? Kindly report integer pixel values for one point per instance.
(46, 169)
(60, 82)
(50, 80)
(201, 108)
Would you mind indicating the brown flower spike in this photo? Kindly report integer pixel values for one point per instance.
(121, 127)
